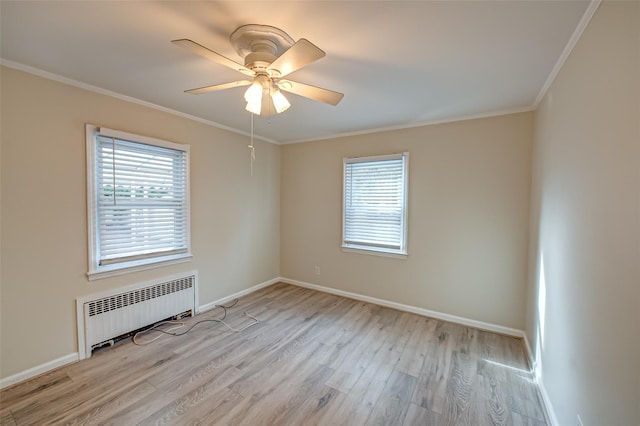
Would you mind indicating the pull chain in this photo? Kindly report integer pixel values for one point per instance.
(251, 147)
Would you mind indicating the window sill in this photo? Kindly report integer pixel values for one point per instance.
(374, 252)
(115, 270)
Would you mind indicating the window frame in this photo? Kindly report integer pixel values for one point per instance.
(402, 252)
(95, 270)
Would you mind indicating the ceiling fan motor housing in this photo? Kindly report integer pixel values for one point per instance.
(260, 45)
(261, 56)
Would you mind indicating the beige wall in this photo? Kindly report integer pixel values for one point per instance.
(472, 190)
(235, 218)
(584, 296)
(468, 218)
(470, 265)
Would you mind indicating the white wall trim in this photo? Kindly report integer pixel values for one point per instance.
(68, 359)
(573, 40)
(71, 82)
(211, 305)
(424, 123)
(56, 77)
(408, 308)
(38, 369)
(546, 401)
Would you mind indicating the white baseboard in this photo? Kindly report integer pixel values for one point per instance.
(546, 401)
(444, 317)
(38, 369)
(67, 359)
(211, 305)
(408, 308)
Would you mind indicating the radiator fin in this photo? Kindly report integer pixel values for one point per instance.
(118, 301)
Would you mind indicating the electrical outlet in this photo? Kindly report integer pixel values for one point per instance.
(579, 420)
(316, 270)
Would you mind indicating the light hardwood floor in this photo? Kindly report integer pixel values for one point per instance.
(314, 358)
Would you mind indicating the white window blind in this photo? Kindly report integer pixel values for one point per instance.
(141, 201)
(375, 203)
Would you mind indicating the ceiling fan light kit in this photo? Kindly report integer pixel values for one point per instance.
(269, 55)
(279, 101)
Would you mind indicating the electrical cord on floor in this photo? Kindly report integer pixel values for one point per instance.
(180, 324)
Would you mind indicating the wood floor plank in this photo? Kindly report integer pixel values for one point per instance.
(493, 362)
(319, 408)
(417, 415)
(167, 404)
(460, 389)
(356, 361)
(99, 411)
(274, 361)
(347, 324)
(523, 399)
(436, 369)
(72, 394)
(393, 404)
(520, 420)
(313, 358)
(18, 393)
(494, 405)
(365, 393)
(6, 419)
(309, 381)
(203, 362)
(215, 413)
(195, 403)
(281, 398)
(414, 354)
(357, 404)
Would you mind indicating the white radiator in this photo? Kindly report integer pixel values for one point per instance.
(112, 315)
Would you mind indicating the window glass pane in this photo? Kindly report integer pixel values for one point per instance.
(141, 200)
(374, 203)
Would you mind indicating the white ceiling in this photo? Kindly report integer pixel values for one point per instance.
(399, 63)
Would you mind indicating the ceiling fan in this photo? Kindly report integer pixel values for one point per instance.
(269, 55)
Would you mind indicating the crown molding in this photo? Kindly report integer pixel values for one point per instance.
(488, 114)
(71, 82)
(577, 33)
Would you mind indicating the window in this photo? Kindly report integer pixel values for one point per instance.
(375, 204)
(138, 202)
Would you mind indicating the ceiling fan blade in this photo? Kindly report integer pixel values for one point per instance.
(199, 49)
(302, 53)
(316, 93)
(216, 87)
